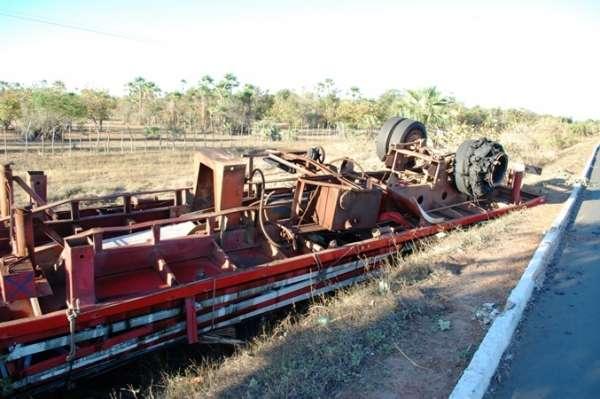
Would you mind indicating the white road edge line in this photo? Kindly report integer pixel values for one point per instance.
(475, 380)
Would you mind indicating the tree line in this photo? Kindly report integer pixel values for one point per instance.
(48, 110)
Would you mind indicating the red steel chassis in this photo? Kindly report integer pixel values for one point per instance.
(125, 300)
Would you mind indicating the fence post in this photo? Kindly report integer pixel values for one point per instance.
(195, 137)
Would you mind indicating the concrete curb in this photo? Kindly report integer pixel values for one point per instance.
(475, 380)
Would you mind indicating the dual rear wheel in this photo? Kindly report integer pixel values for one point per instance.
(398, 130)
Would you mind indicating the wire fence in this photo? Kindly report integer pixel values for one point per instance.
(115, 139)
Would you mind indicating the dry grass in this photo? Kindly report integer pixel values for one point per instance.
(74, 175)
(340, 338)
(538, 142)
(81, 174)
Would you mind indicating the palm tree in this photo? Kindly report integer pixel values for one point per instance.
(142, 91)
(427, 105)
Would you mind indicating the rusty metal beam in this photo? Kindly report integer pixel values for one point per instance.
(38, 181)
(24, 237)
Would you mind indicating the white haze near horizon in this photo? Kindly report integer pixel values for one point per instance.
(543, 57)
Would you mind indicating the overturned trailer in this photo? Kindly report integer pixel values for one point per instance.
(87, 287)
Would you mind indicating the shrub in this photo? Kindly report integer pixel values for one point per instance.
(584, 129)
(268, 130)
(290, 135)
(151, 132)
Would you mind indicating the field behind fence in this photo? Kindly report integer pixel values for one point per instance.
(115, 138)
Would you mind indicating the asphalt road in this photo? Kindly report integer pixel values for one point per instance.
(557, 351)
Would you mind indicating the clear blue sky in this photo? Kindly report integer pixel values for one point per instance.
(544, 57)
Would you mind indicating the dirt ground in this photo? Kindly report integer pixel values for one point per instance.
(430, 361)
(412, 343)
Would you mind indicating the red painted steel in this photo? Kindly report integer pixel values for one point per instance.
(56, 322)
(239, 259)
(191, 322)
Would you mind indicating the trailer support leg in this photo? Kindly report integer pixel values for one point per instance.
(79, 267)
(24, 244)
(191, 322)
(517, 181)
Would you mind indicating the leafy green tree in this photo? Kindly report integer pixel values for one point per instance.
(228, 84)
(99, 106)
(10, 104)
(247, 98)
(206, 94)
(173, 113)
(287, 107)
(389, 103)
(358, 113)
(250, 104)
(355, 93)
(49, 111)
(224, 107)
(328, 101)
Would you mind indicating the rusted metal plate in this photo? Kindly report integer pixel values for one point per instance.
(340, 208)
(219, 181)
(17, 279)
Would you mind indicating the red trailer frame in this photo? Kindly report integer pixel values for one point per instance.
(125, 300)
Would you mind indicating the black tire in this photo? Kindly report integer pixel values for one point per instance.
(479, 166)
(407, 131)
(384, 135)
(316, 153)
